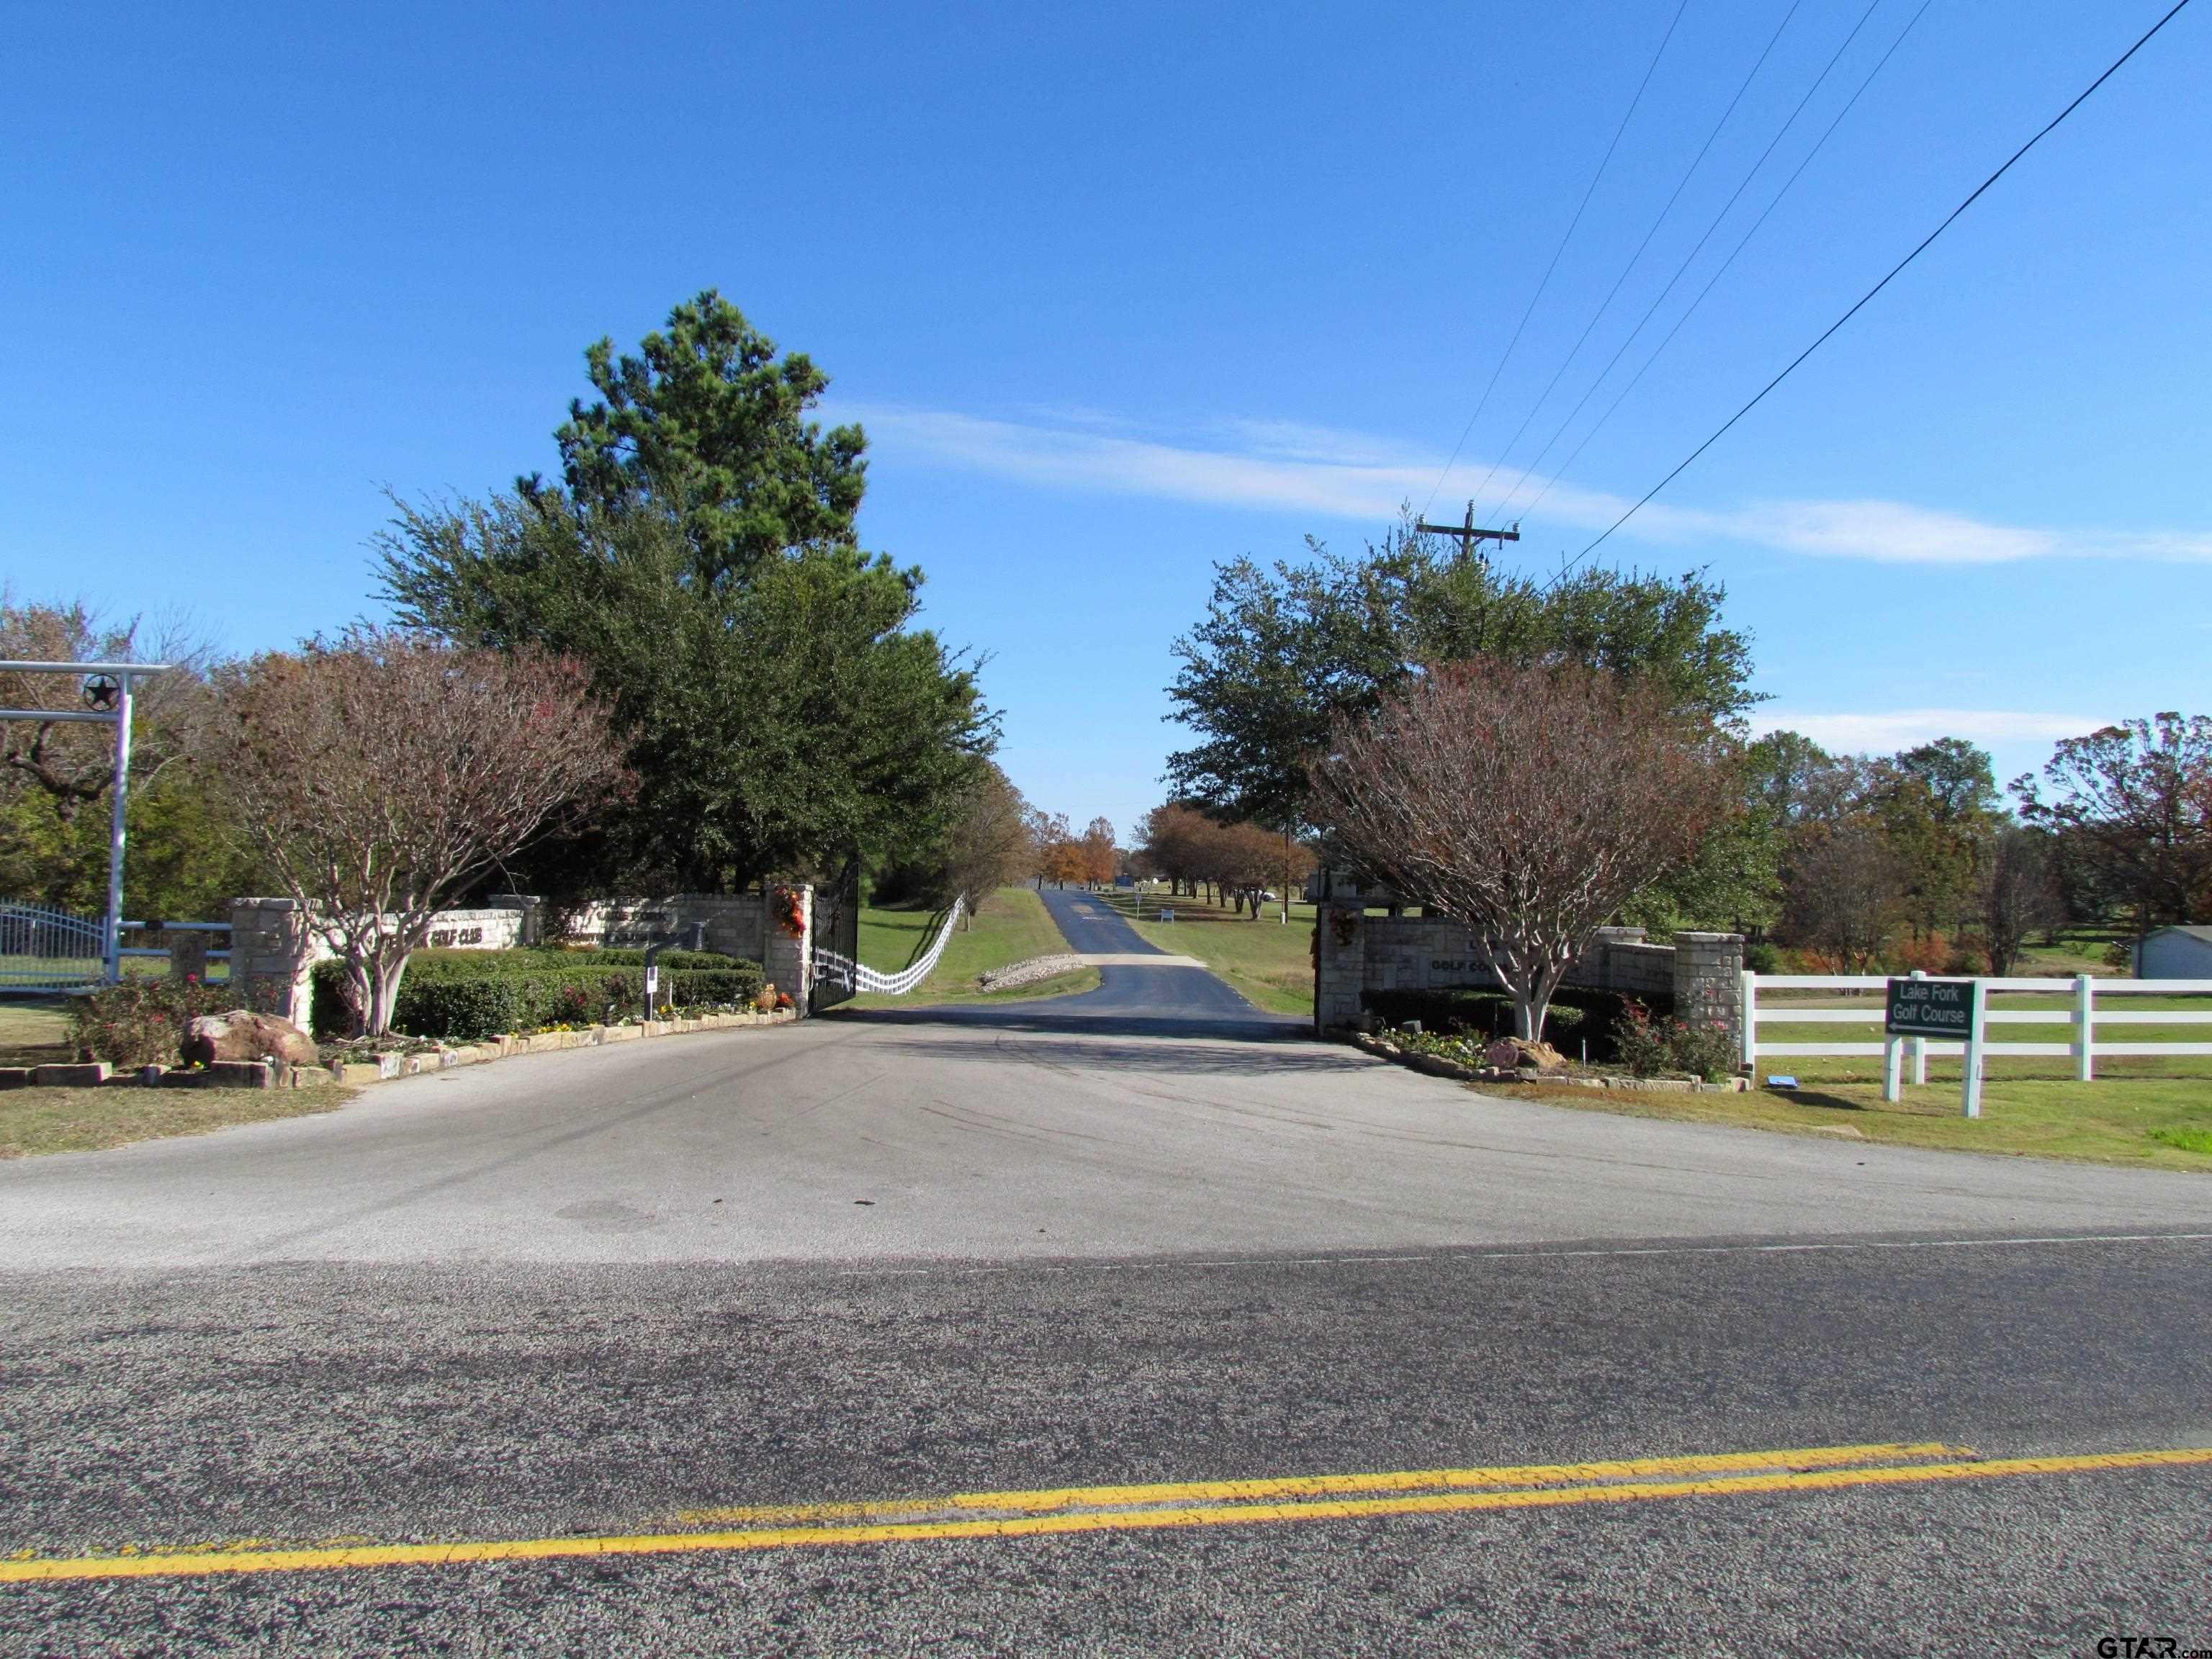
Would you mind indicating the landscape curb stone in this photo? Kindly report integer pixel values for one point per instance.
(1028, 973)
(1436, 1066)
(267, 1074)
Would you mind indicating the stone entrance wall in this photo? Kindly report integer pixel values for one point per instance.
(1356, 953)
(271, 945)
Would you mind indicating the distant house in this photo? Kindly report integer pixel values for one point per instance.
(2175, 953)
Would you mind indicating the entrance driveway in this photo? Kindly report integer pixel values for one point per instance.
(1158, 1116)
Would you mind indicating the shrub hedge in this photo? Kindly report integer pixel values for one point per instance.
(142, 1022)
(1577, 1013)
(1653, 1047)
(464, 996)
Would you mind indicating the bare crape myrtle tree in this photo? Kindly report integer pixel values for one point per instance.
(386, 772)
(1528, 803)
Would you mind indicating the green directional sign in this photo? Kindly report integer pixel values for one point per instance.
(1931, 1008)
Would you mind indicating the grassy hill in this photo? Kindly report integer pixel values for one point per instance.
(1011, 925)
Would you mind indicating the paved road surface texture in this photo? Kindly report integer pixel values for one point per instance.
(1126, 1322)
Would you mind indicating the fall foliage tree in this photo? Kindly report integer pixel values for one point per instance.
(385, 772)
(1100, 857)
(1527, 802)
(2132, 806)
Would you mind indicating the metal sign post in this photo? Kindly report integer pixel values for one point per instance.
(106, 696)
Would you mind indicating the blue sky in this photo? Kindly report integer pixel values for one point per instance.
(1118, 293)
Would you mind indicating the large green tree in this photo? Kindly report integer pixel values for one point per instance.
(780, 710)
(1282, 653)
(706, 426)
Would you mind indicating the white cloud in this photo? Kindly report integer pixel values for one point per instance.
(1901, 728)
(1889, 533)
(1288, 466)
(1106, 464)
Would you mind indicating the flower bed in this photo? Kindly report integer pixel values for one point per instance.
(1461, 1057)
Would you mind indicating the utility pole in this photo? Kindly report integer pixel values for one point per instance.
(1469, 539)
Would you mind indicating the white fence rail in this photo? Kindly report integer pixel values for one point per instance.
(2083, 1008)
(841, 969)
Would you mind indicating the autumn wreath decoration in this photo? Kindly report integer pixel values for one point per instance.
(790, 914)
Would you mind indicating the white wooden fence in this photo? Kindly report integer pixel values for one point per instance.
(841, 969)
(2083, 1009)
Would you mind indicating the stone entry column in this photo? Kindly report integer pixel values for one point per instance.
(1340, 965)
(1708, 981)
(272, 953)
(788, 962)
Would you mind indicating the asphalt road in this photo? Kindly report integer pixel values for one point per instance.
(1133, 1236)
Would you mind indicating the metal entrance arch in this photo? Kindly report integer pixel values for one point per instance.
(106, 696)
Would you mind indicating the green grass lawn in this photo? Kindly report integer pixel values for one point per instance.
(2143, 1122)
(34, 1033)
(1011, 925)
(36, 1120)
(1270, 962)
(2072, 950)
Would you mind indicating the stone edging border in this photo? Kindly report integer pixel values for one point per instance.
(273, 1074)
(1435, 1066)
(1028, 972)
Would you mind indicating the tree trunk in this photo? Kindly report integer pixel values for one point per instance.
(358, 997)
(1532, 994)
(379, 977)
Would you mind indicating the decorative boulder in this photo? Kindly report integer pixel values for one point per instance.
(1518, 1053)
(240, 1035)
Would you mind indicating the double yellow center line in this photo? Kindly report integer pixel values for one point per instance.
(1051, 1510)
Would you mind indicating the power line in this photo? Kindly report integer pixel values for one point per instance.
(1604, 305)
(1688, 260)
(1980, 191)
(1711, 282)
(1606, 161)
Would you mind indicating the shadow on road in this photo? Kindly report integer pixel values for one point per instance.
(1067, 1016)
(1224, 1053)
